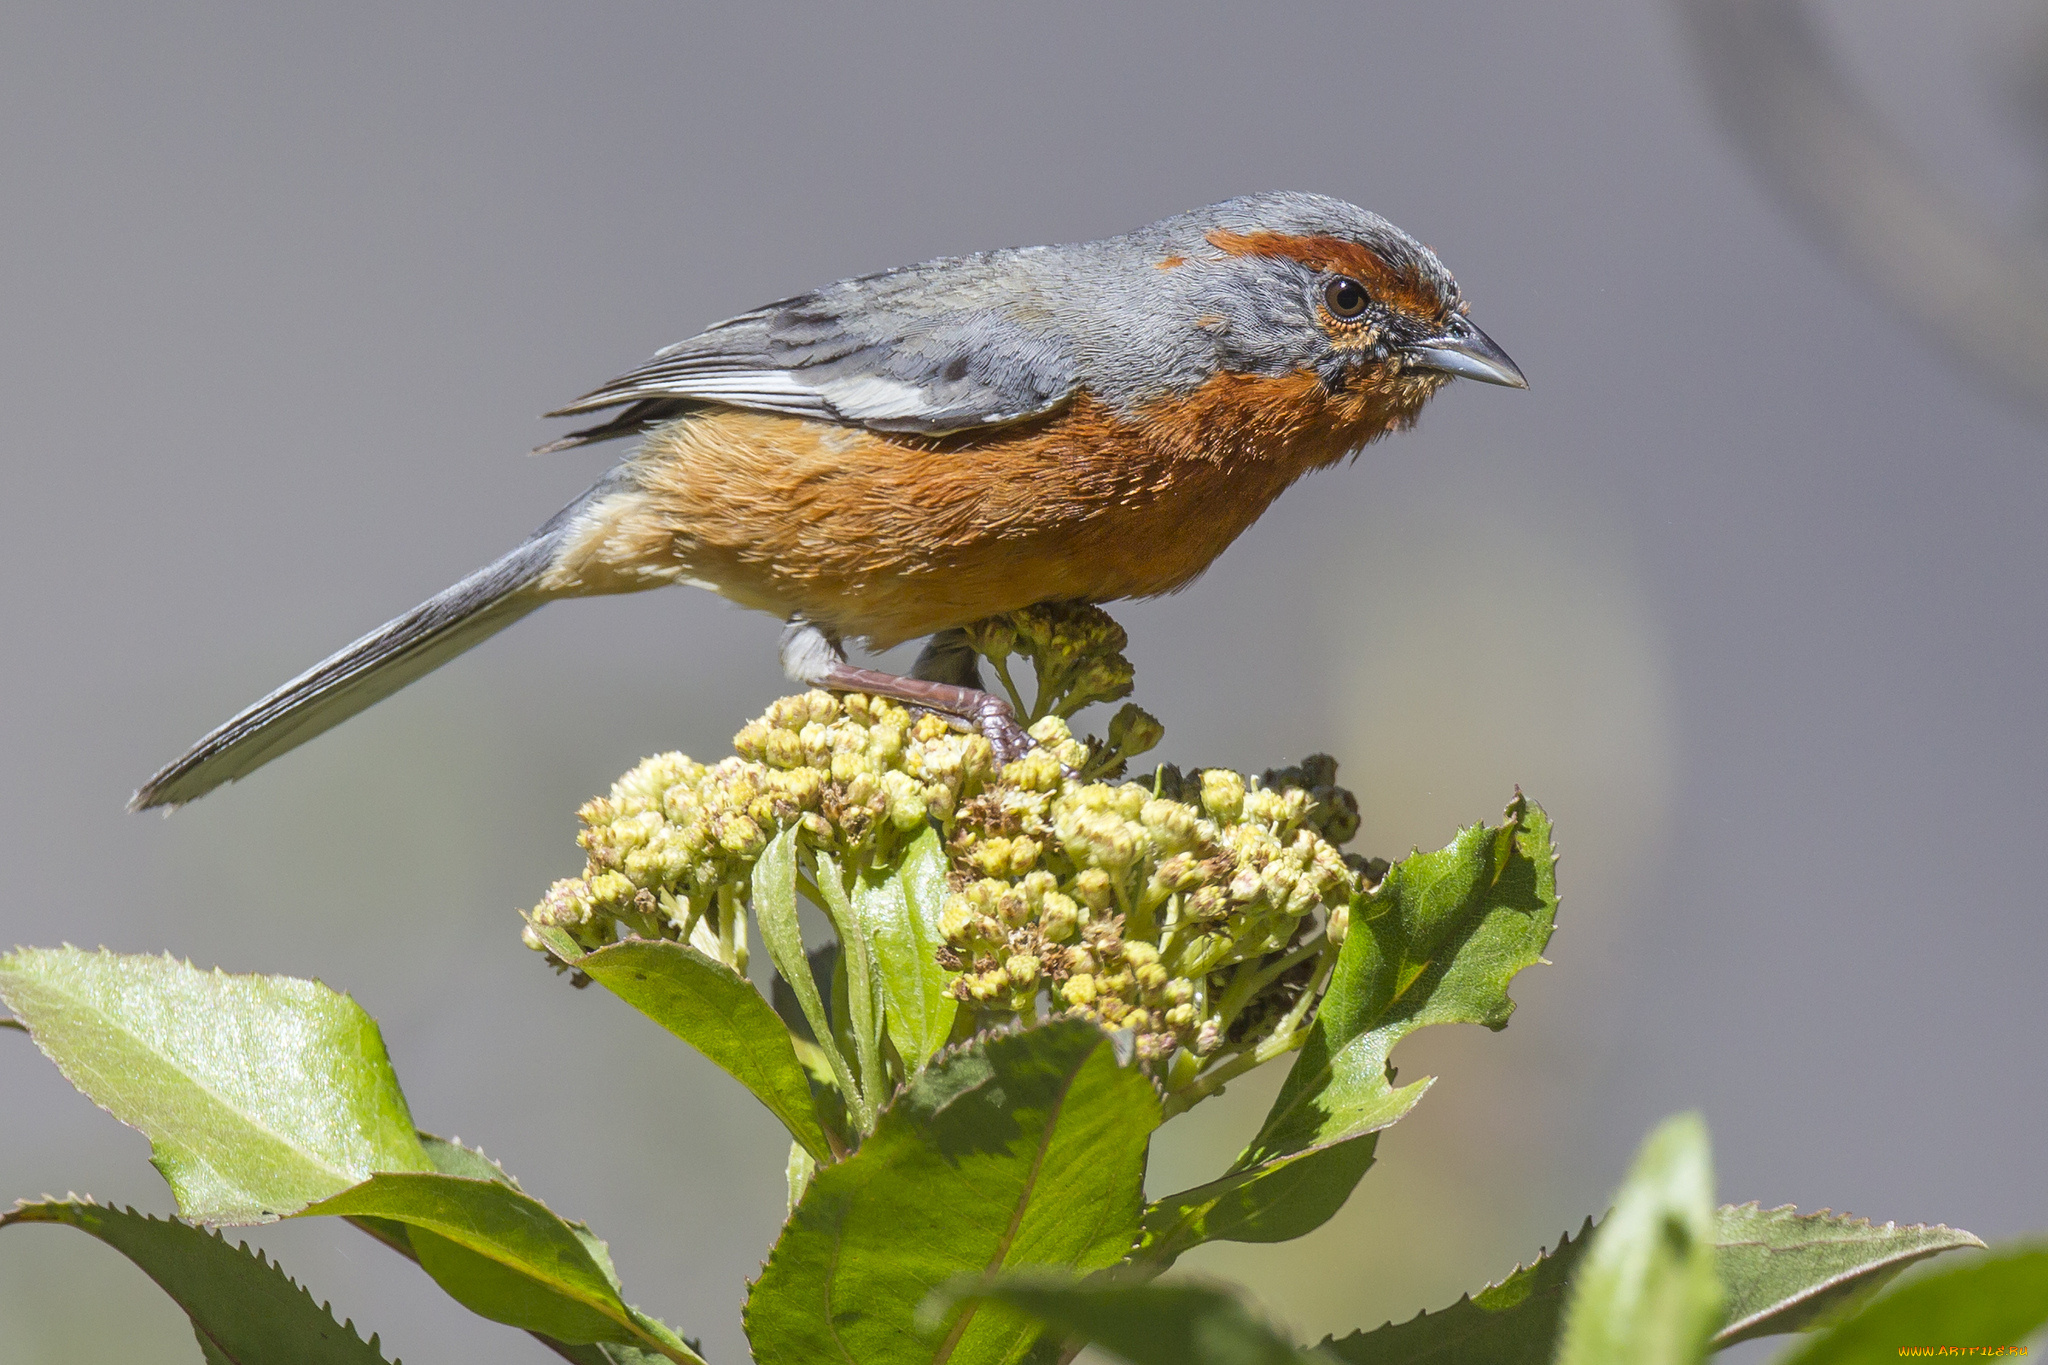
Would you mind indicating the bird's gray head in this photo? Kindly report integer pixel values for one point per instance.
(1291, 282)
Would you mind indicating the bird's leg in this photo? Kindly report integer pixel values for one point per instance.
(948, 658)
(812, 657)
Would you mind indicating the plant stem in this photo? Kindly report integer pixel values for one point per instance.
(1287, 1034)
(1002, 667)
(1265, 976)
(1239, 1060)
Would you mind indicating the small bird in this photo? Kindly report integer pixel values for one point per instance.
(901, 454)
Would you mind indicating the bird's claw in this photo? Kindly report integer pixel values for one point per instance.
(996, 719)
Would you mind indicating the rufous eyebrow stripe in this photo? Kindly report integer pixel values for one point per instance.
(1338, 256)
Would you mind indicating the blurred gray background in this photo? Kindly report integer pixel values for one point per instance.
(1748, 589)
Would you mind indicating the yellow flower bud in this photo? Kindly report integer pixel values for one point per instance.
(1038, 770)
(1012, 907)
(782, 749)
(566, 904)
(956, 917)
(1339, 922)
(611, 890)
(752, 740)
(1222, 794)
(738, 834)
(906, 800)
(1058, 917)
(1093, 889)
(991, 856)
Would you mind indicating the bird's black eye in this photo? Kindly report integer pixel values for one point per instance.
(1346, 298)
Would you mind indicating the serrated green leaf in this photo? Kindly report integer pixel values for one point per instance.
(717, 1011)
(1784, 1271)
(1176, 1323)
(244, 1309)
(450, 1157)
(606, 1353)
(1986, 1304)
(1275, 1201)
(1510, 1323)
(898, 912)
(506, 1256)
(259, 1094)
(1437, 942)
(1645, 1293)
(774, 902)
(1020, 1149)
(1780, 1271)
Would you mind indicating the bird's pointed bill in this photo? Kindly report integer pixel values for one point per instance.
(1463, 350)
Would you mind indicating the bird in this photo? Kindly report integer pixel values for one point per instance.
(898, 455)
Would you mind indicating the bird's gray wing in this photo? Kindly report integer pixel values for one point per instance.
(945, 346)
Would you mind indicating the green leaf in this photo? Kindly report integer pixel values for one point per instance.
(507, 1257)
(1989, 1302)
(774, 902)
(450, 1157)
(717, 1011)
(244, 1309)
(1780, 1270)
(1646, 1291)
(1784, 1271)
(1177, 1323)
(864, 991)
(1510, 1323)
(1019, 1149)
(259, 1094)
(1437, 942)
(898, 913)
(1275, 1201)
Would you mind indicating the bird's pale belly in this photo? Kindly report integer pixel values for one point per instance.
(892, 537)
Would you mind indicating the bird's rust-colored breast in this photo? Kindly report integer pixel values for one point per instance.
(890, 537)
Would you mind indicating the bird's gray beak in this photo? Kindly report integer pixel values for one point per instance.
(1462, 349)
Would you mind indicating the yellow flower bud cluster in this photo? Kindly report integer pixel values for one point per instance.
(856, 772)
(1075, 650)
(1157, 906)
(1120, 902)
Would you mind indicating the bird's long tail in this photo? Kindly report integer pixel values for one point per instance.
(375, 666)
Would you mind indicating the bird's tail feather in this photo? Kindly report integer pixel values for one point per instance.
(371, 669)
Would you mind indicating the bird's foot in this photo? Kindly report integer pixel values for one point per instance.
(996, 719)
(970, 708)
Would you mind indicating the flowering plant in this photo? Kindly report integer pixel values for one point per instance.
(1029, 968)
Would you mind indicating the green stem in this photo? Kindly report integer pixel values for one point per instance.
(1261, 977)
(728, 913)
(1002, 668)
(1235, 995)
(1288, 1035)
(1238, 1060)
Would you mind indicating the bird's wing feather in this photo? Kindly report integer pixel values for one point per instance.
(939, 347)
